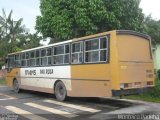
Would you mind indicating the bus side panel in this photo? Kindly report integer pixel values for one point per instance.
(90, 80)
(43, 78)
(13, 73)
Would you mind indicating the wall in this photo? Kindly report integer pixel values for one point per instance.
(156, 56)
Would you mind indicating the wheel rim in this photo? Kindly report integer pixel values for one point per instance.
(60, 91)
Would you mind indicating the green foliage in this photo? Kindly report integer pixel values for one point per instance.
(66, 19)
(156, 91)
(2, 82)
(152, 28)
(14, 37)
(158, 73)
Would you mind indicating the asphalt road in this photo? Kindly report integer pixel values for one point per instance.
(30, 105)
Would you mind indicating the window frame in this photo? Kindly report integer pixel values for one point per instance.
(44, 57)
(24, 59)
(99, 50)
(34, 58)
(80, 52)
(63, 55)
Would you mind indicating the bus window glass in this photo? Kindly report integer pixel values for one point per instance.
(103, 55)
(66, 59)
(37, 58)
(32, 62)
(49, 61)
(32, 59)
(23, 56)
(76, 47)
(96, 50)
(103, 43)
(67, 54)
(17, 57)
(11, 61)
(17, 60)
(67, 49)
(58, 59)
(28, 63)
(43, 52)
(37, 61)
(92, 44)
(48, 51)
(37, 53)
(32, 54)
(44, 61)
(61, 54)
(23, 63)
(76, 53)
(27, 55)
(59, 50)
(95, 56)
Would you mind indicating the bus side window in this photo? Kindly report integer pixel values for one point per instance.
(32, 58)
(23, 61)
(37, 58)
(103, 49)
(43, 57)
(11, 61)
(76, 55)
(67, 54)
(92, 50)
(96, 50)
(17, 60)
(58, 56)
(49, 58)
(28, 59)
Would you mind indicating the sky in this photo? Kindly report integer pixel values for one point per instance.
(29, 9)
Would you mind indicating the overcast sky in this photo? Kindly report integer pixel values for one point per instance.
(29, 9)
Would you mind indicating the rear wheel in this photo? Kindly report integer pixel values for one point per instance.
(60, 91)
(16, 86)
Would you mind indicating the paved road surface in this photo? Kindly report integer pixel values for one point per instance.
(30, 105)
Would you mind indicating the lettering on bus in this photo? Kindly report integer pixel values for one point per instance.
(30, 72)
(46, 71)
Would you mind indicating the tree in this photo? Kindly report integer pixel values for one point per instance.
(14, 37)
(152, 28)
(66, 19)
(4, 22)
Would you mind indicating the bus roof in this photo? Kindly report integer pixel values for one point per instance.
(130, 32)
(87, 37)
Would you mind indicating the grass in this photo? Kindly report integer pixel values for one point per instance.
(2, 82)
(152, 96)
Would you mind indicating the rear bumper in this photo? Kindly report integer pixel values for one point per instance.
(131, 91)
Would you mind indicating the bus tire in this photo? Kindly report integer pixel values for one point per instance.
(16, 86)
(60, 91)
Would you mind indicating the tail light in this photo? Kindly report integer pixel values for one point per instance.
(150, 83)
(137, 84)
(125, 85)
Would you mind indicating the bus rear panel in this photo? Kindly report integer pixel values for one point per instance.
(135, 66)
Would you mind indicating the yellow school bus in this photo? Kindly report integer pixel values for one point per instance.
(113, 63)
